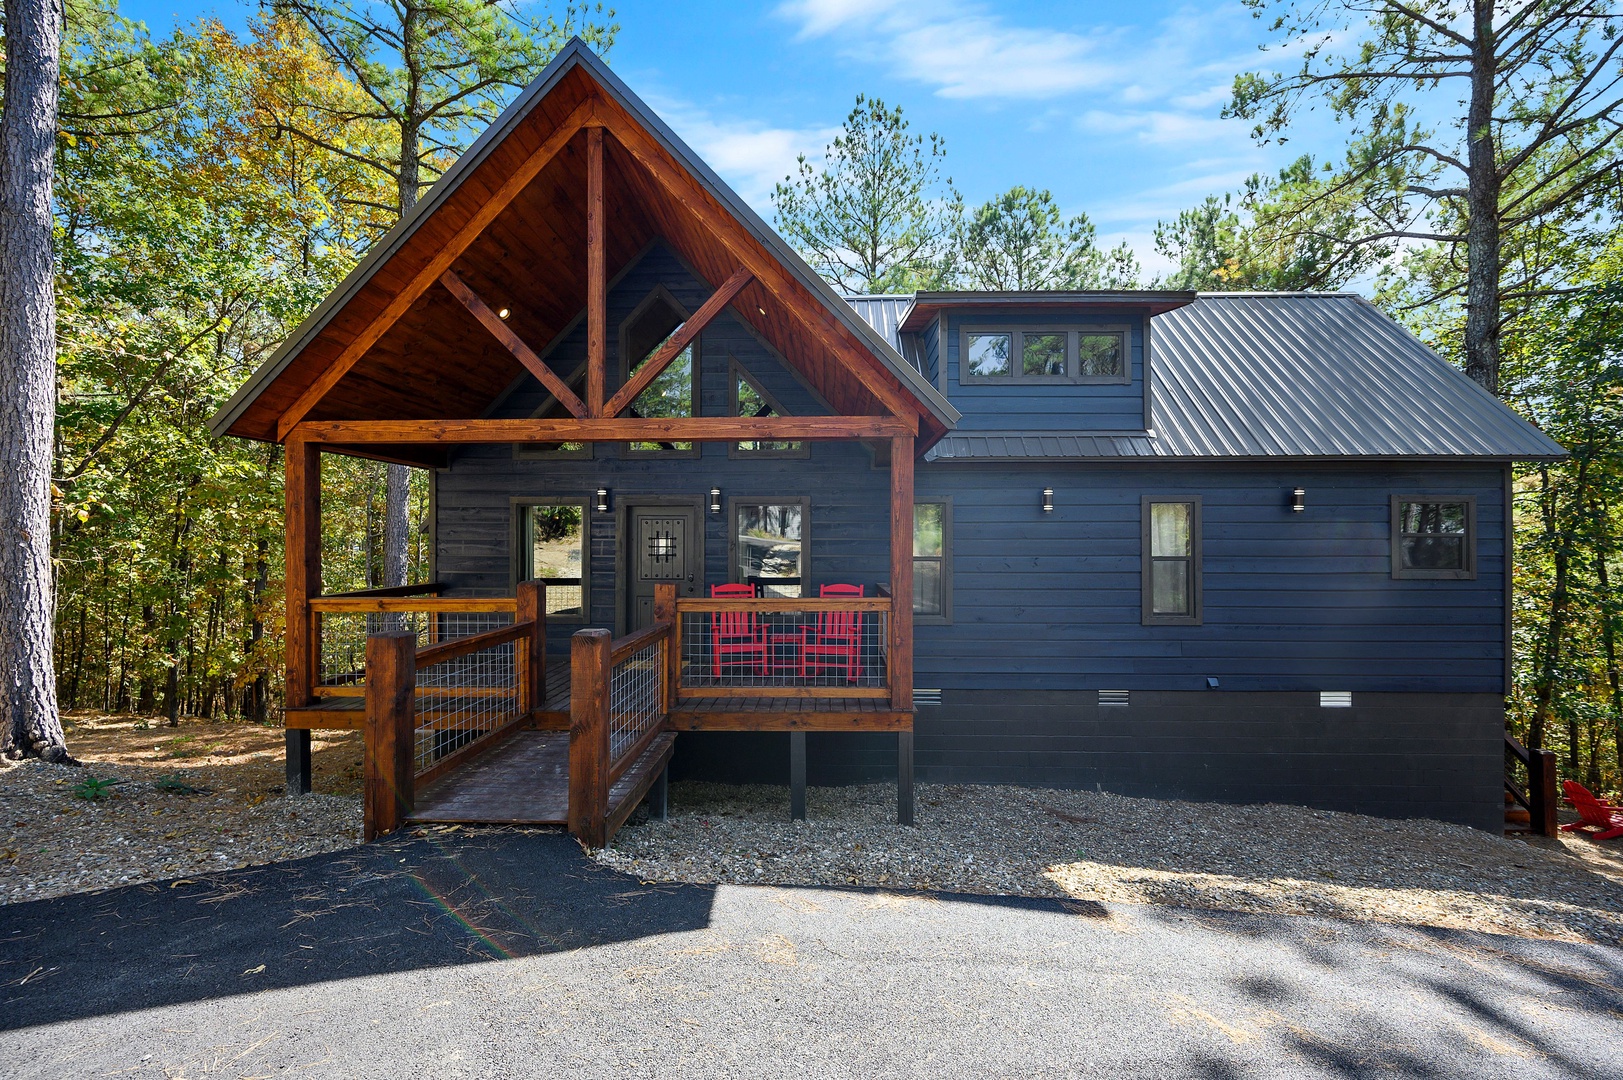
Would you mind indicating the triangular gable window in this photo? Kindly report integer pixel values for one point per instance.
(553, 409)
(750, 398)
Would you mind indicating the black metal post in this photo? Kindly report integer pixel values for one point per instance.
(298, 761)
(659, 795)
(797, 775)
(904, 778)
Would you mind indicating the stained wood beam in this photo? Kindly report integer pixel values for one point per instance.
(302, 490)
(901, 573)
(465, 236)
(681, 187)
(685, 335)
(514, 344)
(597, 282)
(609, 429)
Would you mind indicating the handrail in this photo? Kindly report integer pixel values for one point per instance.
(403, 603)
(623, 647)
(1540, 798)
(786, 603)
(450, 650)
(431, 587)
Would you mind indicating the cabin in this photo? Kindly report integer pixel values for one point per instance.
(696, 514)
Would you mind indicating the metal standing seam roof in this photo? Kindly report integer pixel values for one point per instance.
(885, 315)
(1261, 375)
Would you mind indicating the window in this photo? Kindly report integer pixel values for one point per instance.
(932, 560)
(674, 392)
(769, 543)
(1094, 355)
(552, 546)
(1434, 537)
(1171, 581)
(751, 399)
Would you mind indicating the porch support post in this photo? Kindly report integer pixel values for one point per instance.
(302, 490)
(597, 291)
(901, 614)
(797, 776)
(530, 603)
(298, 761)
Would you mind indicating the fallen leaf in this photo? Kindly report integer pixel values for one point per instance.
(255, 970)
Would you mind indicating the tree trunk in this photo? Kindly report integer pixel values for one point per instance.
(1608, 638)
(397, 487)
(29, 720)
(1482, 200)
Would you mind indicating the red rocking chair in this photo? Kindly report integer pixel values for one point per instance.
(735, 636)
(1603, 817)
(835, 638)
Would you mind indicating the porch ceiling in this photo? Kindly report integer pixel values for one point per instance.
(438, 362)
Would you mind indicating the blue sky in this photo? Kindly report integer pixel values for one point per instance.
(1112, 106)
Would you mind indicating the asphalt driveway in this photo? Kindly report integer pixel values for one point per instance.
(507, 954)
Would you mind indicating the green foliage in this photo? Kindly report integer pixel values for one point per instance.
(94, 789)
(176, 784)
(1020, 240)
(877, 215)
(1280, 233)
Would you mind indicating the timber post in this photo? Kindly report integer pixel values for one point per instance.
(665, 611)
(590, 653)
(901, 614)
(531, 607)
(1541, 788)
(302, 499)
(391, 730)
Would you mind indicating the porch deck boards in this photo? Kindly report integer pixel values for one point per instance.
(525, 781)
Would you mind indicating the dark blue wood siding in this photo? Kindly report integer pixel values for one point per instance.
(1046, 406)
(849, 539)
(1292, 601)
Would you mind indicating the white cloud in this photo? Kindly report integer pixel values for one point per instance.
(750, 155)
(961, 49)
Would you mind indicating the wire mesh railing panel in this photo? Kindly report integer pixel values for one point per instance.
(342, 645)
(636, 702)
(462, 698)
(776, 650)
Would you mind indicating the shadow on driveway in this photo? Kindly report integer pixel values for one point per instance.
(401, 905)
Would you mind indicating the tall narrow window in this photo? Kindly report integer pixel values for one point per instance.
(1171, 560)
(673, 393)
(768, 545)
(1434, 537)
(552, 547)
(750, 399)
(932, 566)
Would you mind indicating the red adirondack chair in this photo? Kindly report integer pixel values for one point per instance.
(834, 640)
(735, 636)
(1603, 817)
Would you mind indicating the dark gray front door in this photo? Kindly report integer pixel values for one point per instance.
(664, 551)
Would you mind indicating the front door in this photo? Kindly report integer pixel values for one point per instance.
(665, 550)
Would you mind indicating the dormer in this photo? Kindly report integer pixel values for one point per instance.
(1058, 361)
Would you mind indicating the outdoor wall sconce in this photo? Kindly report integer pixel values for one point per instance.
(715, 500)
(1048, 500)
(1298, 500)
(602, 500)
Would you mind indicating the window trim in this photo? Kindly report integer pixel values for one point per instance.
(1073, 363)
(1197, 584)
(735, 372)
(623, 366)
(944, 618)
(518, 512)
(731, 524)
(1468, 573)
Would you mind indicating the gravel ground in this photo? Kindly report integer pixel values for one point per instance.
(196, 799)
(1095, 846)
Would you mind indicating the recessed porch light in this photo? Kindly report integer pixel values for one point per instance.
(503, 314)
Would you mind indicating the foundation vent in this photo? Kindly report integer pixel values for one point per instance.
(931, 698)
(1113, 697)
(1335, 699)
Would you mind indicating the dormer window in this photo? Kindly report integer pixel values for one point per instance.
(1043, 354)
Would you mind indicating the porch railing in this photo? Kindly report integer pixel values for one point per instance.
(430, 706)
(1530, 782)
(620, 701)
(783, 647)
